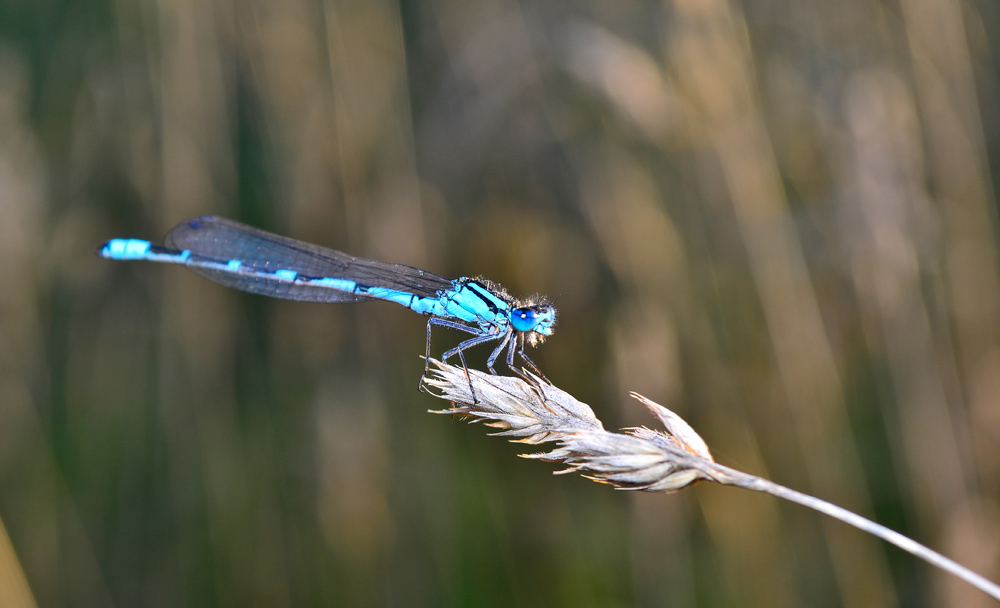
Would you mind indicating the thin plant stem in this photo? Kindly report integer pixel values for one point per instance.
(757, 484)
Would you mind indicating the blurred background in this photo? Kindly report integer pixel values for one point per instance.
(775, 217)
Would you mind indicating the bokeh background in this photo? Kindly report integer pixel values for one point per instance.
(776, 217)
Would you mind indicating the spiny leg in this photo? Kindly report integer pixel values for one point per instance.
(524, 357)
(460, 349)
(496, 353)
(427, 353)
(510, 356)
(532, 365)
(510, 353)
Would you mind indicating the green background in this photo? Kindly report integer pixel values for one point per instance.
(775, 217)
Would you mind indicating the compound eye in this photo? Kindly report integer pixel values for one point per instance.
(523, 319)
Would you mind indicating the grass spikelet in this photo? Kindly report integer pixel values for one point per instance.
(530, 411)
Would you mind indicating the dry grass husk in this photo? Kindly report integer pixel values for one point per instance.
(530, 411)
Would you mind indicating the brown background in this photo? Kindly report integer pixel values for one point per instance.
(775, 217)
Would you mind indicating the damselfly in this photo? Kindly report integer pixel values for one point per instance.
(249, 259)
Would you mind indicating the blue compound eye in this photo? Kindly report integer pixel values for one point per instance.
(523, 319)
